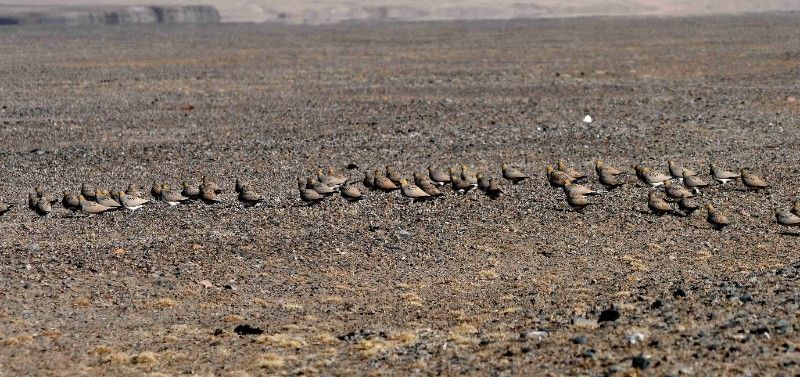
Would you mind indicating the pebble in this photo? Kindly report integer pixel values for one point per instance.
(534, 334)
(578, 339)
(679, 293)
(403, 234)
(745, 298)
(584, 322)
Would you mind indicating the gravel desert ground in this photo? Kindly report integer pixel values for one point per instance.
(520, 285)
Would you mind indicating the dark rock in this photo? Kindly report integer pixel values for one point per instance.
(218, 332)
(641, 362)
(656, 305)
(679, 293)
(746, 297)
(608, 315)
(247, 330)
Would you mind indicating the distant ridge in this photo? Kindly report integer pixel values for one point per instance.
(108, 15)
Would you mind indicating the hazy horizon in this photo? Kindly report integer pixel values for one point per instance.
(319, 12)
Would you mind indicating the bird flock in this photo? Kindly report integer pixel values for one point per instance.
(676, 192)
(681, 186)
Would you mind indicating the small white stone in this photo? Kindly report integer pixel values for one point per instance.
(587, 119)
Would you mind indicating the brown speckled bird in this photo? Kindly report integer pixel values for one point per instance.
(459, 185)
(494, 190)
(650, 177)
(611, 181)
(688, 205)
(208, 194)
(211, 186)
(41, 193)
(574, 189)
(70, 202)
(677, 171)
(674, 191)
(694, 182)
(572, 173)
(438, 176)
(134, 190)
(657, 204)
(240, 185)
(513, 174)
(722, 176)
(393, 174)
(468, 175)
(92, 208)
(350, 192)
(250, 198)
(130, 202)
(602, 169)
(104, 199)
(578, 202)
(88, 190)
(308, 195)
(412, 191)
(191, 192)
(786, 218)
(557, 178)
(172, 197)
(369, 180)
(155, 190)
(717, 219)
(753, 181)
(43, 207)
(383, 182)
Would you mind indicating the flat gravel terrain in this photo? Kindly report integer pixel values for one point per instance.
(463, 285)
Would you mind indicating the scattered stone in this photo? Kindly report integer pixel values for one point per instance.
(641, 362)
(584, 322)
(745, 298)
(403, 234)
(534, 334)
(246, 329)
(33, 247)
(616, 368)
(587, 119)
(218, 332)
(679, 293)
(578, 339)
(608, 315)
(656, 305)
(206, 283)
(635, 337)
